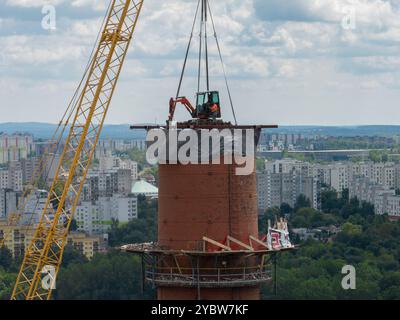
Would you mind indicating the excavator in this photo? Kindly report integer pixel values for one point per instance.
(82, 123)
(207, 106)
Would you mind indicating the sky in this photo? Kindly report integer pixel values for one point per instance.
(289, 62)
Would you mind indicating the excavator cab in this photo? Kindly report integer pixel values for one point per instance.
(208, 105)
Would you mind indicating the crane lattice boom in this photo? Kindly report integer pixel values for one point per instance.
(47, 245)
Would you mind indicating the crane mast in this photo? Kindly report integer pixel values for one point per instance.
(45, 250)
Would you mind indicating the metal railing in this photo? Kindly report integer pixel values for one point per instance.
(207, 277)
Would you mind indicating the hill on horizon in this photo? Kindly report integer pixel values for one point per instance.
(123, 131)
(46, 130)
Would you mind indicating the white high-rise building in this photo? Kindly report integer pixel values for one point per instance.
(107, 183)
(96, 216)
(288, 165)
(273, 189)
(129, 165)
(339, 177)
(34, 207)
(108, 163)
(11, 178)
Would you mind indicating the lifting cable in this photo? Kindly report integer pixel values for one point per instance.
(206, 44)
(222, 64)
(187, 51)
(200, 46)
(203, 24)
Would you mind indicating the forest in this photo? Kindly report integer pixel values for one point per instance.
(366, 241)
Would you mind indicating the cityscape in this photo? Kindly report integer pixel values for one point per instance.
(199, 158)
(121, 188)
(110, 192)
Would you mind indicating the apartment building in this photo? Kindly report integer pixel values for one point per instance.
(11, 178)
(29, 168)
(88, 245)
(34, 207)
(288, 165)
(338, 175)
(364, 189)
(8, 202)
(109, 147)
(95, 217)
(283, 180)
(285, 187)
(391, 206)
(106, 183)
(129, 165)
(17, 239)
(15, 147)
(113, 163)
(385, 200)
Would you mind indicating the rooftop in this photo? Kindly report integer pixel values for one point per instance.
(143, 187)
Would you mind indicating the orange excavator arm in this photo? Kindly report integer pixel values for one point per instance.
(186, 103)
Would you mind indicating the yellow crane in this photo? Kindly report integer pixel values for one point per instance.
(85, 120)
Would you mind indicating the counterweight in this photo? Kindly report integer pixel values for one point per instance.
(45, 250)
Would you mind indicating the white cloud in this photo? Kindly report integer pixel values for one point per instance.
(33, 3)
(85, 28)
(293, 54)
(99, 5)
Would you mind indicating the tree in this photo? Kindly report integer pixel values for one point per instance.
(286, 208)
(375, 156)
(330, 201)
(139, 156)
(302, 202)
(345, 194)
(139, 230)
(367, 209)
(71, 255)
(390, 285)
(6, 259)
(351, 229)
(260, 164)
(7, 281)
(111, 276)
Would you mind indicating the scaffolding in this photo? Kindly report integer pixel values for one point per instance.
(213, 265)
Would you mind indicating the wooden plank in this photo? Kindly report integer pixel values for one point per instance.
(258, 241)
(262, 263)
(240, 243)
(177, 264)
(216, 243)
